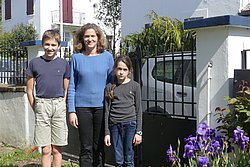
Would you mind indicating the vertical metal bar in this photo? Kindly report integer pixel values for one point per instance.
(173, 75)
(193, 75)
(16, 66)
(243, 59)
(164, 79)
(120, 48)
(182, 79)
(147, 60)
(156, 67)
(138, 79)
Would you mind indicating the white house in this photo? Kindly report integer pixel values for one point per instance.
(134, 12)
(45, 14)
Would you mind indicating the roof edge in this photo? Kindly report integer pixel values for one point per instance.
(226, 20)
(39, 43)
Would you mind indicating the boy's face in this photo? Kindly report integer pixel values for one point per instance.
(50, 47)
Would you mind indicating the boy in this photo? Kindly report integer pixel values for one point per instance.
(51, 75)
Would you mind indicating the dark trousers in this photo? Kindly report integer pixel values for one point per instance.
(91, 134)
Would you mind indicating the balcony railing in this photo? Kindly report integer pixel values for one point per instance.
(78, 18)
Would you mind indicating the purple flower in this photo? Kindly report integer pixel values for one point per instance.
(220, 139)
(240, 138)
(190, 139)
(202, 128)
(244, 140)
(216, 145)
(189, 151)
(171, 155)
(214, 149)
(203, 161)
(237, 134)
(210, 133)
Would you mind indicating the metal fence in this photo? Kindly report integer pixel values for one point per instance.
(168, 84)
(167, 78)
(14, 63)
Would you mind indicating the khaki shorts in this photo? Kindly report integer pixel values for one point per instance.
(50, 122)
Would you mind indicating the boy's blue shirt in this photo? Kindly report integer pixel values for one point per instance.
(89, 77)
(49, 76)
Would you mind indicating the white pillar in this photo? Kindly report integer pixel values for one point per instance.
(219, 40)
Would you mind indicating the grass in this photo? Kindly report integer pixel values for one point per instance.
(17, 156)
(12, 158)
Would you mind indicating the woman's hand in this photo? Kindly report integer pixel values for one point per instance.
(137, 139)
(107, 140)
(73, 120)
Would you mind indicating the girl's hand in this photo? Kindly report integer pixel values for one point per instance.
(107, 140)
(73, 120)
(137, 139)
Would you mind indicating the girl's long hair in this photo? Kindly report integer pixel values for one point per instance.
(126, 60)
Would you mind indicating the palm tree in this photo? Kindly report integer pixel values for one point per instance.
(162, 35)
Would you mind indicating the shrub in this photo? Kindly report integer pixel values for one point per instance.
(237, 114)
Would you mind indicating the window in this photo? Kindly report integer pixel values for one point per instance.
(30, 7)
(7, 9)
(173, 72)
(67, 36)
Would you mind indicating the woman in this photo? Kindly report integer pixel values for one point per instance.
(91, 70)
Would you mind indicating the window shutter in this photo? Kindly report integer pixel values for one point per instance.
(7, 9)
(67, 11)
(30, 7)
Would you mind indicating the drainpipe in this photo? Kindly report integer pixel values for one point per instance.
(209, 67)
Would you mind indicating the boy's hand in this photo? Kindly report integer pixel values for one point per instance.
(137, 139)
(107, 140)
(73, 120)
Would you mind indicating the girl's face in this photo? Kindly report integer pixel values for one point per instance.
(90, 39)
(50, 47)
(122, 72)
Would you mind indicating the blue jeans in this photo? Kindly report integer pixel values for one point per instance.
(122, 135)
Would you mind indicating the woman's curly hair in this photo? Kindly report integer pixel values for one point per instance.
(78, 41)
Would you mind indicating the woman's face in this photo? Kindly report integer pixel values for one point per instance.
(90, 39)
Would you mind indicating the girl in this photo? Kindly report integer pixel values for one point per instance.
(123, 115)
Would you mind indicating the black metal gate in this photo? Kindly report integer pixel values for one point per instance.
(168, 83)
(168, 88)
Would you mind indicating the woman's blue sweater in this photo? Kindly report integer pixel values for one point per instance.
(88, 79)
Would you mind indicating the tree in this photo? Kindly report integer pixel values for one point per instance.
(1, 16)
(19, 33)
(162, 35)
(23, 32)
(110, 14)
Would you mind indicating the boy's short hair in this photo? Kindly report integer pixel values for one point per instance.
(52, 34)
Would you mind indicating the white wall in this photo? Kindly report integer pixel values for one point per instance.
(221, 45)
(16, 118)
(238, 40)
(134, 12)
(19, 10)
(211, 47)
